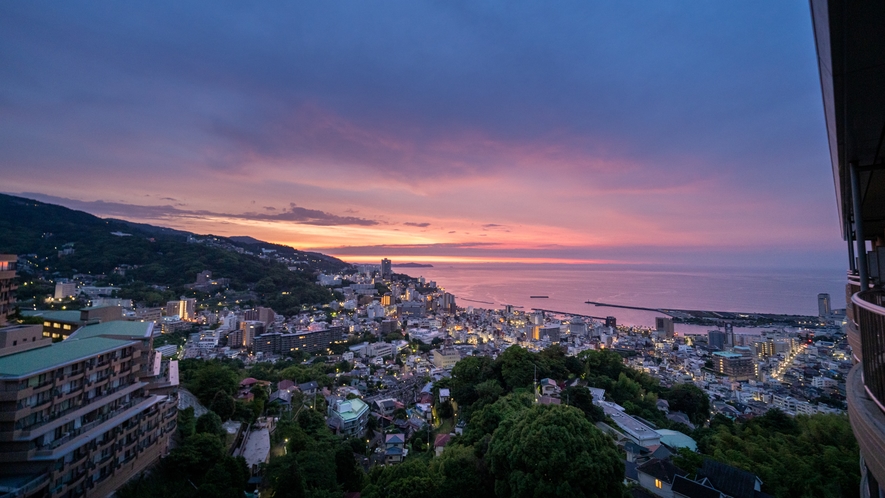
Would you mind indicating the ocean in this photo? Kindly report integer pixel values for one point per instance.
(492, 285)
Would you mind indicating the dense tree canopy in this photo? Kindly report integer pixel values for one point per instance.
(553, 450)
(813, 456)
(691, 400)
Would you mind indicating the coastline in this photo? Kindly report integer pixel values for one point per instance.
(665, 287)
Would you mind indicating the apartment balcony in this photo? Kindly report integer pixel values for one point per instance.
(865, 384)
(45, 424)
(108, 422)
(867, 423)
(870, 318)
(20, 487)
(854, 341)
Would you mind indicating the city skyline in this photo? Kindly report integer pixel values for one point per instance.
(453, 132)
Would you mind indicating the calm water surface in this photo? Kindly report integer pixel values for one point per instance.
(492, 285)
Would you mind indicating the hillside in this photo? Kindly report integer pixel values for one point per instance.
(161, 256)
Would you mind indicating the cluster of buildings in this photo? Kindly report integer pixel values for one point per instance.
(747, 374)
(82, 414)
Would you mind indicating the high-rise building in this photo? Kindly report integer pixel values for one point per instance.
(735, 365)
(266, 316)
(83, 416)
(665, 325)
(188, 308)
(577, 326)
(447, 303)
(851, 57)
(17, 338)
(386, 268)
(7, 286)
(729, 335)
(716, 339)
(551, 331)
(184, 308)
(64, 290)
(823, 305)
(251, 329)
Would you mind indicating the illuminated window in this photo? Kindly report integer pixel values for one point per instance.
(67, 327)
(658, 484)
(56, 325)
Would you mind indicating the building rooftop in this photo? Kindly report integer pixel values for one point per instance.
(71, 316)
(118, 328)
(351, 409)
(52, 356)
(676, 439)
(728, 354)
(257, 448)
(102, 306)
(661, 469)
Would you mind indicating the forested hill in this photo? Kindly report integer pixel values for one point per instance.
(161, 256)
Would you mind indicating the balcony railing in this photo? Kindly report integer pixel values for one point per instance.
(870, 317)
(25, 488)
(89, 426)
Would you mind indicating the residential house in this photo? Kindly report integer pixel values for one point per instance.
(386, 407)
(308, 388)
(440, 443)
(657, 476)
(548, 387)
(730, 480)
(394, 445)
(684, 487)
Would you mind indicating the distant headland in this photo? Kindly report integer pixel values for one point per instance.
(414, 265)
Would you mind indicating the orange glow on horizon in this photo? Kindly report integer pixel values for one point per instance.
(362, 259)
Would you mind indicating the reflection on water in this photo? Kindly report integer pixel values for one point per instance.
(569, 286)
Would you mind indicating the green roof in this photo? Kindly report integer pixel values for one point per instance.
(351, 409)
(727, 354)
(120, 328)
(72, 316)
(33, 361)
(676, 439)
(90, 308)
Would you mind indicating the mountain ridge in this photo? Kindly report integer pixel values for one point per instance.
(58, 242)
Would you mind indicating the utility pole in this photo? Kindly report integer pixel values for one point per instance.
(535, 383)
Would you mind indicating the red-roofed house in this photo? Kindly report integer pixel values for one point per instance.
(440, 443)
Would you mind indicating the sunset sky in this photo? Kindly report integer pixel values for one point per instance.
(646, 132)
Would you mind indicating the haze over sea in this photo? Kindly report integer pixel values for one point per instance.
(492, 285)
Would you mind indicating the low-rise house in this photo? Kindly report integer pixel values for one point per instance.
(439, 445)
(308, 388)
(281, 398)
(386, 407)
(684, 487)
(548, 387)
(394, 448)
(657, 476)
(731, 481)
(394, 455)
